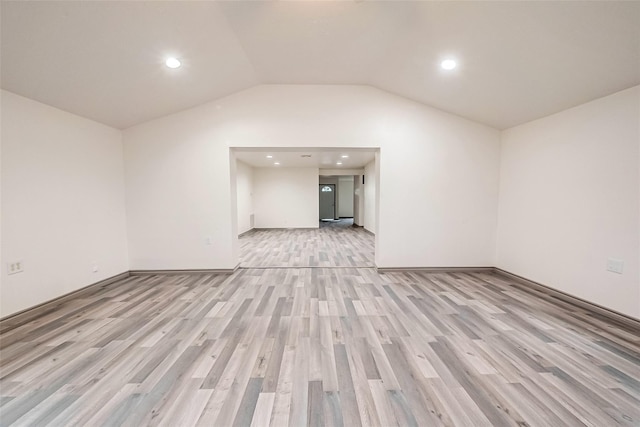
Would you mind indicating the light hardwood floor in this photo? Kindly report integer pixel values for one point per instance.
(319, 346)
(333, 244)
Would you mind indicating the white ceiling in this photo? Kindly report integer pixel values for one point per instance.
(518, 60)
(293, 158)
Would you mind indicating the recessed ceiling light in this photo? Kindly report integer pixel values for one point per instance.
(276, 163)
(448, 64)
(345, 156)
(338, 163)
(172, 63)
(269, 156)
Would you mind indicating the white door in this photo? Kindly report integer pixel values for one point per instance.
(327, 201)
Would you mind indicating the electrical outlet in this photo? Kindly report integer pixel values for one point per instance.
(208, 241)
(15, 267)
(615, 265)
(94, 267)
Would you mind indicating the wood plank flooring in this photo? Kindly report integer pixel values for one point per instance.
(319, 346)
(333, 244)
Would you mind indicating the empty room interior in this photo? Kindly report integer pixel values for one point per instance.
(339, 213)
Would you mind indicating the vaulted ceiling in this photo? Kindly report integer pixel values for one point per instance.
(518, 61)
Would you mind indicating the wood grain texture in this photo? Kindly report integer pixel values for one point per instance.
(319, 346)
(333, 244)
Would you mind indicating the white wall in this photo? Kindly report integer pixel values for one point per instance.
(244, 183)
(341, 172)
(345, 196)
(286, 197)
(370, 197)
(569, 199)
(569, 193)
(62, 202)
(358, 206)
(178, 196)
(178, 173)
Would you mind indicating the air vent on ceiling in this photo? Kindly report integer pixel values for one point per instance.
(305, 155)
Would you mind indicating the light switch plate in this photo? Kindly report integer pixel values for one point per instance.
(615, 265)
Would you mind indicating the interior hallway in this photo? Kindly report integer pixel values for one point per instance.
(318, 346)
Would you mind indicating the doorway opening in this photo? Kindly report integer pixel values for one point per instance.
(305, 206)
(327, 202)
